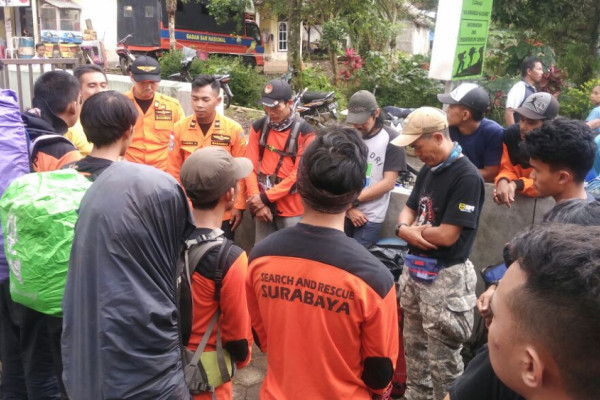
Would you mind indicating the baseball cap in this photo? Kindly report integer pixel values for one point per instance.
(361, 107)
(274, 92)
(469, 95)
(540, 105)
(209, 172)
(145, 68)
(420, 122)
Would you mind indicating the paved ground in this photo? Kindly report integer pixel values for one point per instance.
(247, 381)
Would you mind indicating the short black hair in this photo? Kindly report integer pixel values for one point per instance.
(54, 91)
(575, 211)
(529, 63)
(559, 304)
(86, 69)
(563, 143)
(333, 169)
(106, 116)
(38, 45)
(206, 79)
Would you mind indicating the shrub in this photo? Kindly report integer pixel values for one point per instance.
(401, 81)
(170, 63)
(246, 83)
(575, 101)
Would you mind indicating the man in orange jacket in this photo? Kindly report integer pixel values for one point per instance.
(206, 127)
(275, 146)
(209, 177)
(158, 114)
(514, 165)
(323, 308)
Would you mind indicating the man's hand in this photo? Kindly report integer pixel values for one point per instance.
(255, 203)
(413, 235)
(505, 193)
(264, 214)
(483, 305)
(236, 218)
(357, 217)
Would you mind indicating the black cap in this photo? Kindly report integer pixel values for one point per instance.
(145, 68)
(468, 95)
(274, 92)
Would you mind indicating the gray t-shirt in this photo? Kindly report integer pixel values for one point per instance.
(383, 157)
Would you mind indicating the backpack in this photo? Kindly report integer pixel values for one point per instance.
(14, 153)
(203, 371)
(38, 213)
(291, 145)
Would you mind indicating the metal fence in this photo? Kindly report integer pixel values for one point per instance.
(20, 74)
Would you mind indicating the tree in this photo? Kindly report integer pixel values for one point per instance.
(171, 9)
(571, 28)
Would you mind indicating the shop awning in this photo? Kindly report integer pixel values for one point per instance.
(63, 4)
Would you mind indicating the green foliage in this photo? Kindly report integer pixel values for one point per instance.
(170, 63)
(226, 10)
(572, 28)
(401, 80)
(246, 83)
(575, 101)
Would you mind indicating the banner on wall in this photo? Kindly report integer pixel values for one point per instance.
(15, 3)
(461, 32)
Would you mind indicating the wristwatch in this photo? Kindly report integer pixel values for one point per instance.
(355, 203)
(398, 227)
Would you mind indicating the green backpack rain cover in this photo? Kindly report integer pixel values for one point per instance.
(38, 212)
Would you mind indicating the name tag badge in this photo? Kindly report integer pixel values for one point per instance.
(163, 115)
(220, 140)
(188, 143)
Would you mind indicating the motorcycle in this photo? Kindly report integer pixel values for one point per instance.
(318, 108)
(189, 55)
(126, 58)
(394, 116)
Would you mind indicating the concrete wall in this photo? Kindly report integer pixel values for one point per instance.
(497, 224)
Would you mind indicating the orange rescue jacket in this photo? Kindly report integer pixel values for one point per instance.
(188, 137)
(153, 130)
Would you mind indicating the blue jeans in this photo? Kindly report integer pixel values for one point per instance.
(367, 235)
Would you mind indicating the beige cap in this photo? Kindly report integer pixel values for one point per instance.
(420, 122)
(208, 173)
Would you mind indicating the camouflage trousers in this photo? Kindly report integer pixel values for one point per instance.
(438, 319)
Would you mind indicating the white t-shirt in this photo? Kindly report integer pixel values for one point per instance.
(516, 95)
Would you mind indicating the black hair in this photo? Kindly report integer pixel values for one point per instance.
(197, 204)
(560, 302)
(38, 45)
(563, 143)
(333, 167)
(204, 80)
(529, 63)
(575, 211)
(106, 116)
(86, 69)
(476, 115)
(54, 91)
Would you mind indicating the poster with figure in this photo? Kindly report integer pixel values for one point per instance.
(461, 38)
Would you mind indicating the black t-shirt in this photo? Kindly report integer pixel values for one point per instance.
(453, 196)
(90, 167)
(144, 104)
(480, 382)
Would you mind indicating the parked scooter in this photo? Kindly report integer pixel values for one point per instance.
(126, 59)
(318, 108)
(394, 116)
(189, 55)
